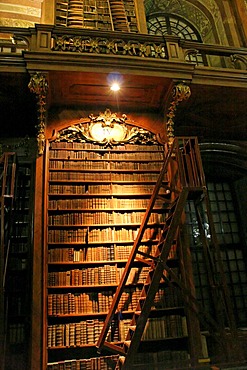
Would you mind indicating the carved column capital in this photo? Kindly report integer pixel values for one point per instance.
(180, 92)
(38, 85)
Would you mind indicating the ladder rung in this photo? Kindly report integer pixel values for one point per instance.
(142, 298)
(146, 262)
(114, 348)
(146, 255)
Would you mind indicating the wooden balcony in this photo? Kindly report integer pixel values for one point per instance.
(77, 63)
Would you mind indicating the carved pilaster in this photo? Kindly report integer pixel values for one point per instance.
(39, 86)
(180, 92)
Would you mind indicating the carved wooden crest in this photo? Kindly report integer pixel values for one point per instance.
(106, 129)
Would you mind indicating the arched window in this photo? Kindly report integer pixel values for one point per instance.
(168, 24)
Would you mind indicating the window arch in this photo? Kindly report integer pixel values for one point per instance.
(169, 24)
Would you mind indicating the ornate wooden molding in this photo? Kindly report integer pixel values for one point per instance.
(106, 129)
(104, 45)
(39, 86)
(180, 92)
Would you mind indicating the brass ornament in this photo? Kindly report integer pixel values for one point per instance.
(38, 85)
(180, 92)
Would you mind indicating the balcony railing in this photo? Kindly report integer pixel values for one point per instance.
(54, 39)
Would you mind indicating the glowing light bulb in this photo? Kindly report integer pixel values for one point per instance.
(115, 87)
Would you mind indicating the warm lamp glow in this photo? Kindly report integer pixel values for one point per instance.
(115, 87)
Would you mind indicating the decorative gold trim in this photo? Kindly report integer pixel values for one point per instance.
(180, 92)
(39, 86)
(106, 129)
(104, 45)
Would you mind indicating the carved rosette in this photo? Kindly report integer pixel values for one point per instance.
(180, 92)
(103, 45)
(39, 86)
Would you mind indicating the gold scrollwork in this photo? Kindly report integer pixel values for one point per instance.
(180, 92)
(103, 45)
(106, 129)
(38, 85)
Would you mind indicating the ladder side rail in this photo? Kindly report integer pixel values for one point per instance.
(189, 162)
(12, 184)
(4, 174)
(132, 255)
(157, 275)
(182, 175)
(204, 317)
(194, 167)
(198, 160)
(183, 144)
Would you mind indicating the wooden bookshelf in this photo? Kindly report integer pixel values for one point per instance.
(107, 15)
(96, 196)
(19, 270)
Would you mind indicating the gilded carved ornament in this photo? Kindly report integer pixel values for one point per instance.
(103, 45)
(39, 86)
(180, 92)
(106, 129)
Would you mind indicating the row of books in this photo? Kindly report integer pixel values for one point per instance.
(105, 165)
(93, 146)
(74, 334)
(17, 263)
(153, 360)
(20, 230)
(85, 332)
(99, 302)
(169, 359)
(109, 234)
(19, 247)
(66, 189)
(106, 155)
(64, 175)
(97, 203)
(94, 218)
(100, 253)
(102, 275)
(165, 327)
(16, 333)
(95, 363)
(91, 302)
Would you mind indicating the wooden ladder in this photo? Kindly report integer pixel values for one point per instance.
(187, 181)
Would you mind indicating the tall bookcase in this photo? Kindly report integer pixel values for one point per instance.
(19, 270)
(97, 191)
